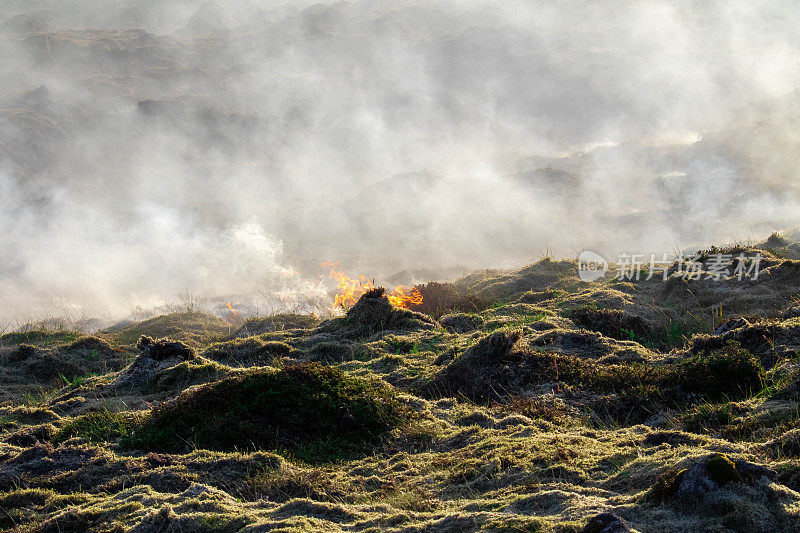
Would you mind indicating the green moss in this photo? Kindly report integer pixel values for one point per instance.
(311, 411)
(396, 344)
(722, 469)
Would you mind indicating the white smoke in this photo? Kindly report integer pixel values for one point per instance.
(151, 149)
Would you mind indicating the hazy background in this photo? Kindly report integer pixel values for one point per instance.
(150, 149)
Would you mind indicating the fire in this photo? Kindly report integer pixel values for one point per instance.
(231, 309)
(399, 298)
(350, 290)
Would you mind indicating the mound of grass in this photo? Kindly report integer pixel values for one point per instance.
(91, 343)
(260, 325)
(543, 275)
(38, 337)
(612, 323)
(730, 372)
(250, 351)
(99, 426)
(439, 299)
(193, 372)
(192, 328)
(372, 314)
(314, 412)
(331, 352)
(498, 367)
(786, 383)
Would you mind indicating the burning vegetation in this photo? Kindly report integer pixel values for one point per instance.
(351, 289)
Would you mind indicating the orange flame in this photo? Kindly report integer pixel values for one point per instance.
(399, 298)
(350, 290)
(231, 309)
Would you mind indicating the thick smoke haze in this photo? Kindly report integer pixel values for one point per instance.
(152, 149)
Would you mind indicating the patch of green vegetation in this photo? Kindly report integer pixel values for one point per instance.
(73, 382)
(515, 320)
(619, 325)
(709, 417)
(98, 426)
(736, 422)
(675, 334)
(497, 368)
(728, 373)
(39, 396)
(785, 383)
(312, 412)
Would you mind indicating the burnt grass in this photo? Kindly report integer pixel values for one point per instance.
(522, 400)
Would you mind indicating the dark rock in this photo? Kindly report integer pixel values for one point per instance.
(164, 349)
(156, 356)
(605, 523)
(691, 484)
(776, 241)
(722, 470)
